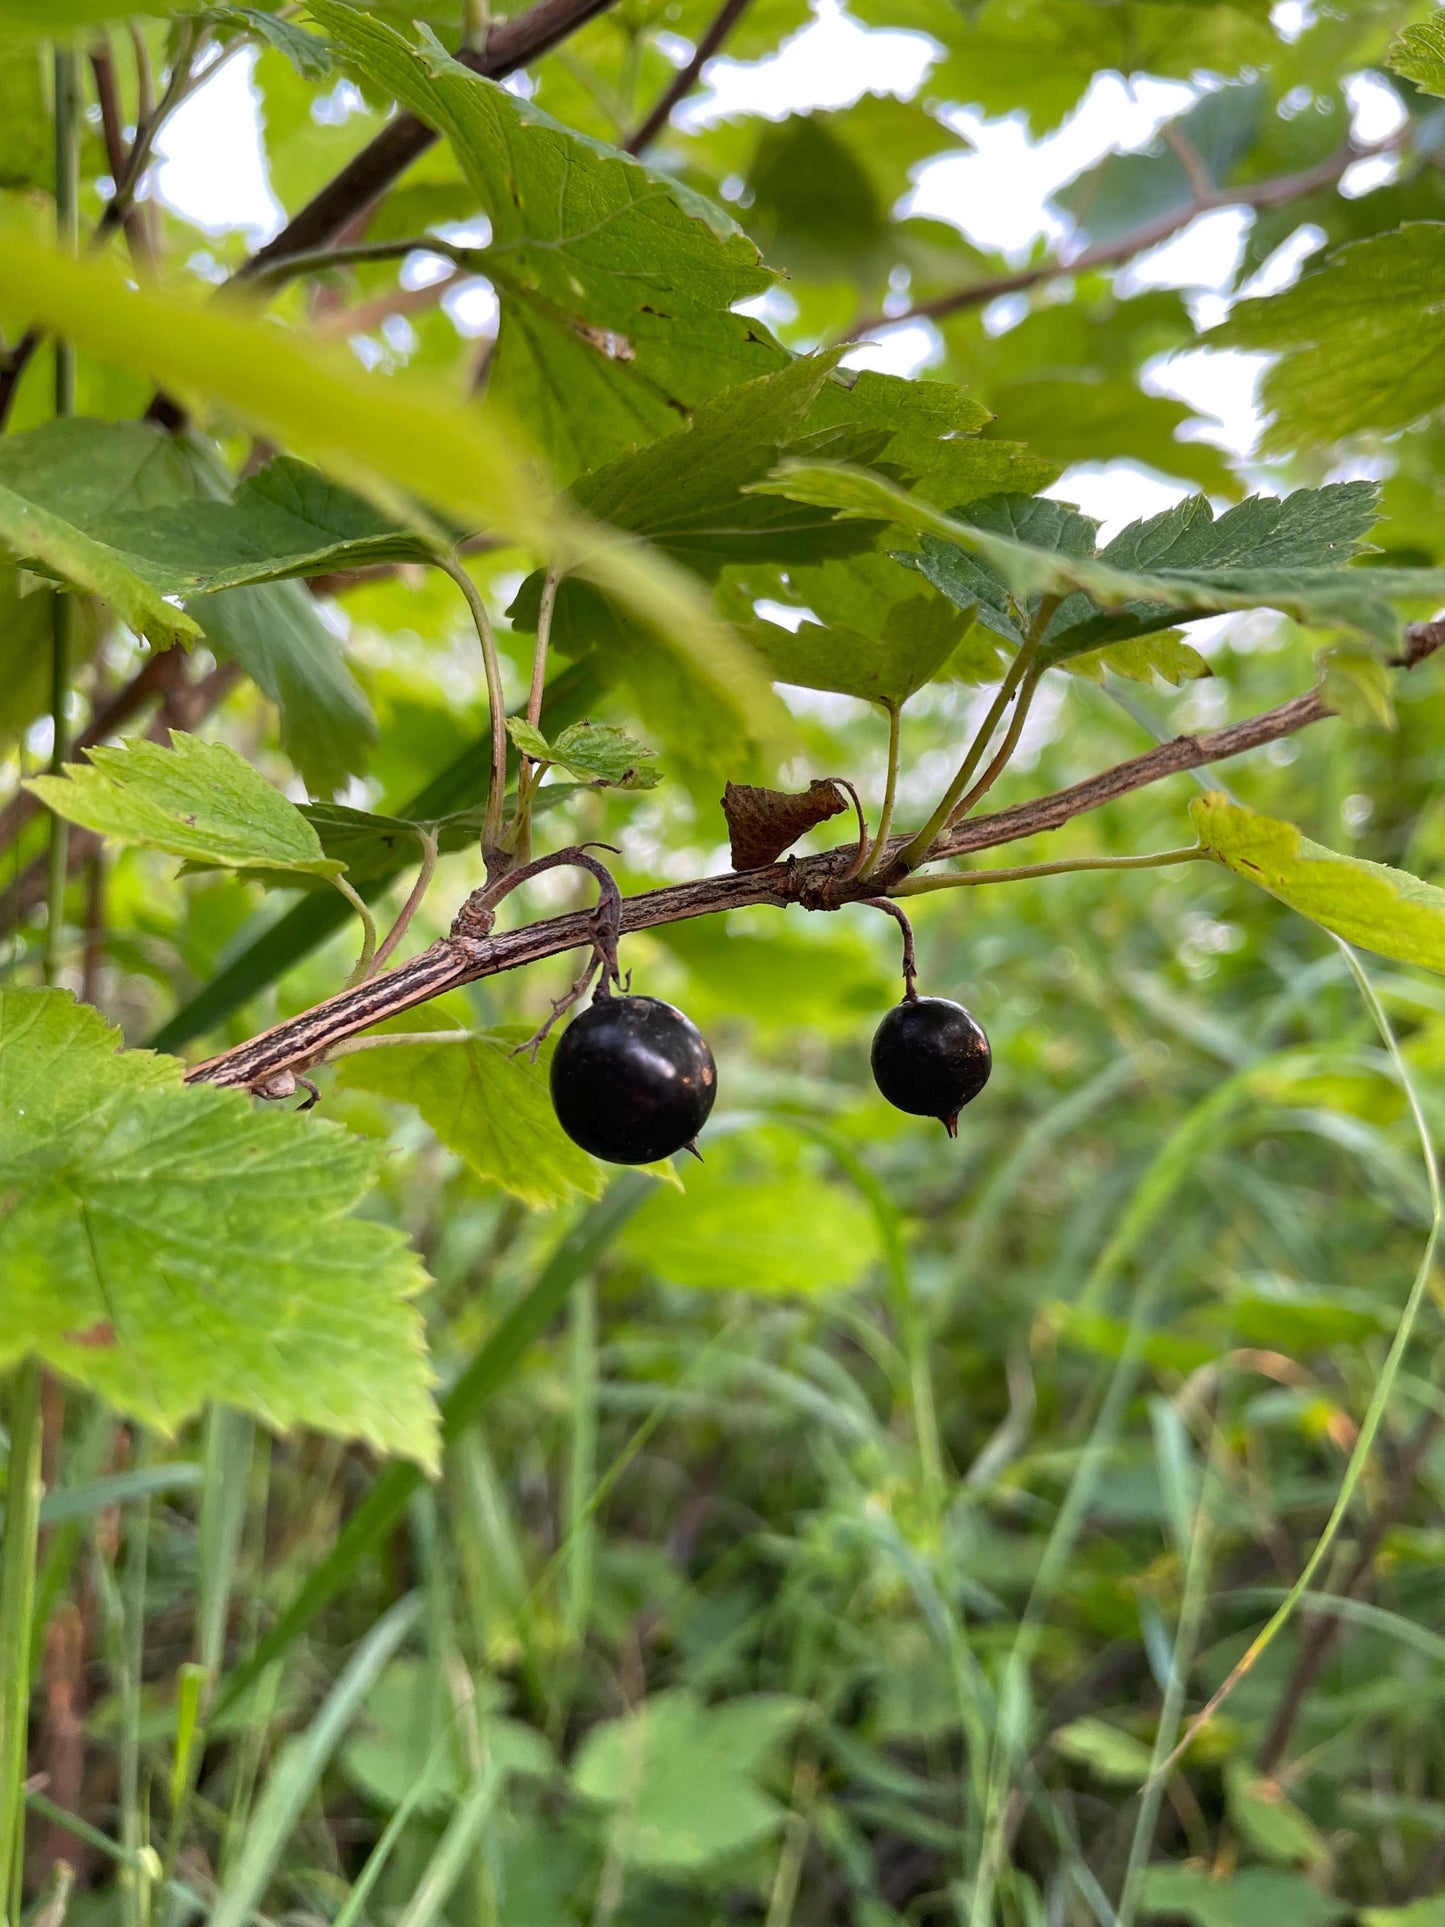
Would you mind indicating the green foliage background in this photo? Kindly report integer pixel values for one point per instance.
(440, 1527)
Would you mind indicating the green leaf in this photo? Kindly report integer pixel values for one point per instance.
(1417, 1913)
(1129, 191)
(26, 151)
(1356, 340)
(1418, 52)
(1091, 417)
(1357, 685)
(196, 800)
(493, 1109)
(1262, 554)
(1166, 656)
(616, 283)
(400, 433)
(898, 640)
(596, 753)
(1040, 59)
(685, 492)
(288, 519)
(117, 482)
(1108, 1752)
(928, 432)
(52, 19)
(49, 542)
(1270, 1822)
(682, 1778)
(309, 56)
(1369, 904)
(1257, 1897)
(400, 1750)
(736, 1230)
(165, 1245)
(273, 632)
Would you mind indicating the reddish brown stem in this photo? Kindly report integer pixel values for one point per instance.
(820, 882)
(1278, 192)
(685, 79)
(510, 45)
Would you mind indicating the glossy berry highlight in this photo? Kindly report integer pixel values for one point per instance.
(632, 1080)
(930, 1058)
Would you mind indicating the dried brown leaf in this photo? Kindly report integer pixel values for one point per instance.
(763, 823)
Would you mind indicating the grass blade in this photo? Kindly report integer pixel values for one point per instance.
(301, 1764)
(384, 1505)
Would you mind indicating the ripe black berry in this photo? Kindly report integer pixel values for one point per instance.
(632, 1080)
(930, 1058)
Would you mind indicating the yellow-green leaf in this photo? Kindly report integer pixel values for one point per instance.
(399, 440)
(1369, 904)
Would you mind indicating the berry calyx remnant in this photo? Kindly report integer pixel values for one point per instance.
(632, 1079)
(930, 1058)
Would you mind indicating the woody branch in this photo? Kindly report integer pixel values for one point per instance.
(471, 951)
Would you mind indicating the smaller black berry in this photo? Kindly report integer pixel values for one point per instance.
(632, 1080)
(930, 1058)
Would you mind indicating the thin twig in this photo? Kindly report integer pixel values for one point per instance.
(360, 184)
(890, 790)
(287, 267)
(468, 955)
(1278, 192)
(398, 930)
(1003, 756)
(684, 80)
(539, 653)
(492, 818)
(102, 67)
(1067, 866)
(368, 931)
(182, 81)
(1020, 669)
(13, 364)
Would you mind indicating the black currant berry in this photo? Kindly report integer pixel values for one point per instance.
(930, 1058)
(632, 1080)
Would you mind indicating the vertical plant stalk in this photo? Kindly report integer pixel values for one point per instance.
(529, 773)
(1021, 672)
(890, 791)
(18, 1563)
(582, 1472)
(496, 702)
(1384, 1385)
(408, 910)
(358, 903)
(67, 197)
(17, 1609)
(1186, 1644)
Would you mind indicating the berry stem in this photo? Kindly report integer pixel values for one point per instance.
(910, 960)
(920, 886)
(481, 906)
